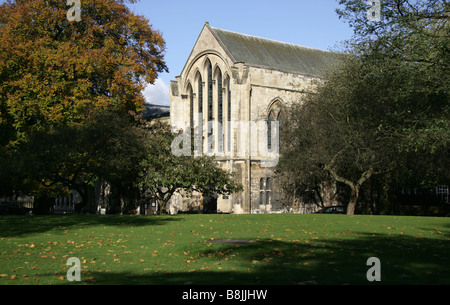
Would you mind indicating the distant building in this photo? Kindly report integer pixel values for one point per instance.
(155, 111)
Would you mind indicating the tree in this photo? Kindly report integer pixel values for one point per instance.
(55, 76)
(163, 173)
(383, 107)
(335, 133)
(107, 147)
(414, 34)
(54, 72)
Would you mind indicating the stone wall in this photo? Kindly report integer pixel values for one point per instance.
(255, 91)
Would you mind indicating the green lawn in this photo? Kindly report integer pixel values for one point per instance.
(277, 249)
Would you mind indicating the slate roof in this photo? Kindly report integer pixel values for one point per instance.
(153, 111)
(272, 54)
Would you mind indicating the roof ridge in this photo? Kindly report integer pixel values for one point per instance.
(272, 40)
(270, 53)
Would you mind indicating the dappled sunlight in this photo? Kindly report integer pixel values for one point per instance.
(225, 249)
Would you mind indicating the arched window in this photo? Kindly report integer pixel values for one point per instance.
(199, 132)
(279, 120)
(191, 112)
(220, 109)
(269, 131)
(228, 115)
(273, 127)
(210, 114)
(191, 106)
(200, 98)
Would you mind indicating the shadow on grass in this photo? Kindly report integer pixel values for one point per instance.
(404, 260)
(13, 226)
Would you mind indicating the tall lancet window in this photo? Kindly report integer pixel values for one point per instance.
(269, 131)
(210, 115)
(273, 127)
(199, 131)
(191, 112)
(228, 116)
(191, 107)
(220, 110)
(279, 120)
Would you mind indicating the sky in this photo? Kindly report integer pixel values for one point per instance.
(311, 23)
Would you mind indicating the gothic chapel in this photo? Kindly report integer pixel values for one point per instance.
(232, 92)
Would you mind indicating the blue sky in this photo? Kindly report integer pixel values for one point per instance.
(312, 23)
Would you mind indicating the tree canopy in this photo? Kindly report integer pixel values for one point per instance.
(164, 173)
(383, 110)
(54, 72)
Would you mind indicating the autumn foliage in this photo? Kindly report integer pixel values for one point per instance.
(54, 72)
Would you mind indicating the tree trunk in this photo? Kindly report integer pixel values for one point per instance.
(329, 192)
(43, 205)
(91, 206)
(162, 207)
(355, 187)
(79, 207)
(353, 200)
(87, 194)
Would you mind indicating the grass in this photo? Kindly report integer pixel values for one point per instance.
(280, 249)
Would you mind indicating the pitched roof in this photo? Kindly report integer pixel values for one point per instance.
(153, 111)
(272, 54)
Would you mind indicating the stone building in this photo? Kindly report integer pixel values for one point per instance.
(232, 92)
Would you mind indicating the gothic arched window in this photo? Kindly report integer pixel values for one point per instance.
(273, 127)
(200, 114)
(228, 115)
(220, 109)
(200, 97)
(191, 106)
(269, 131)
(210, 114)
